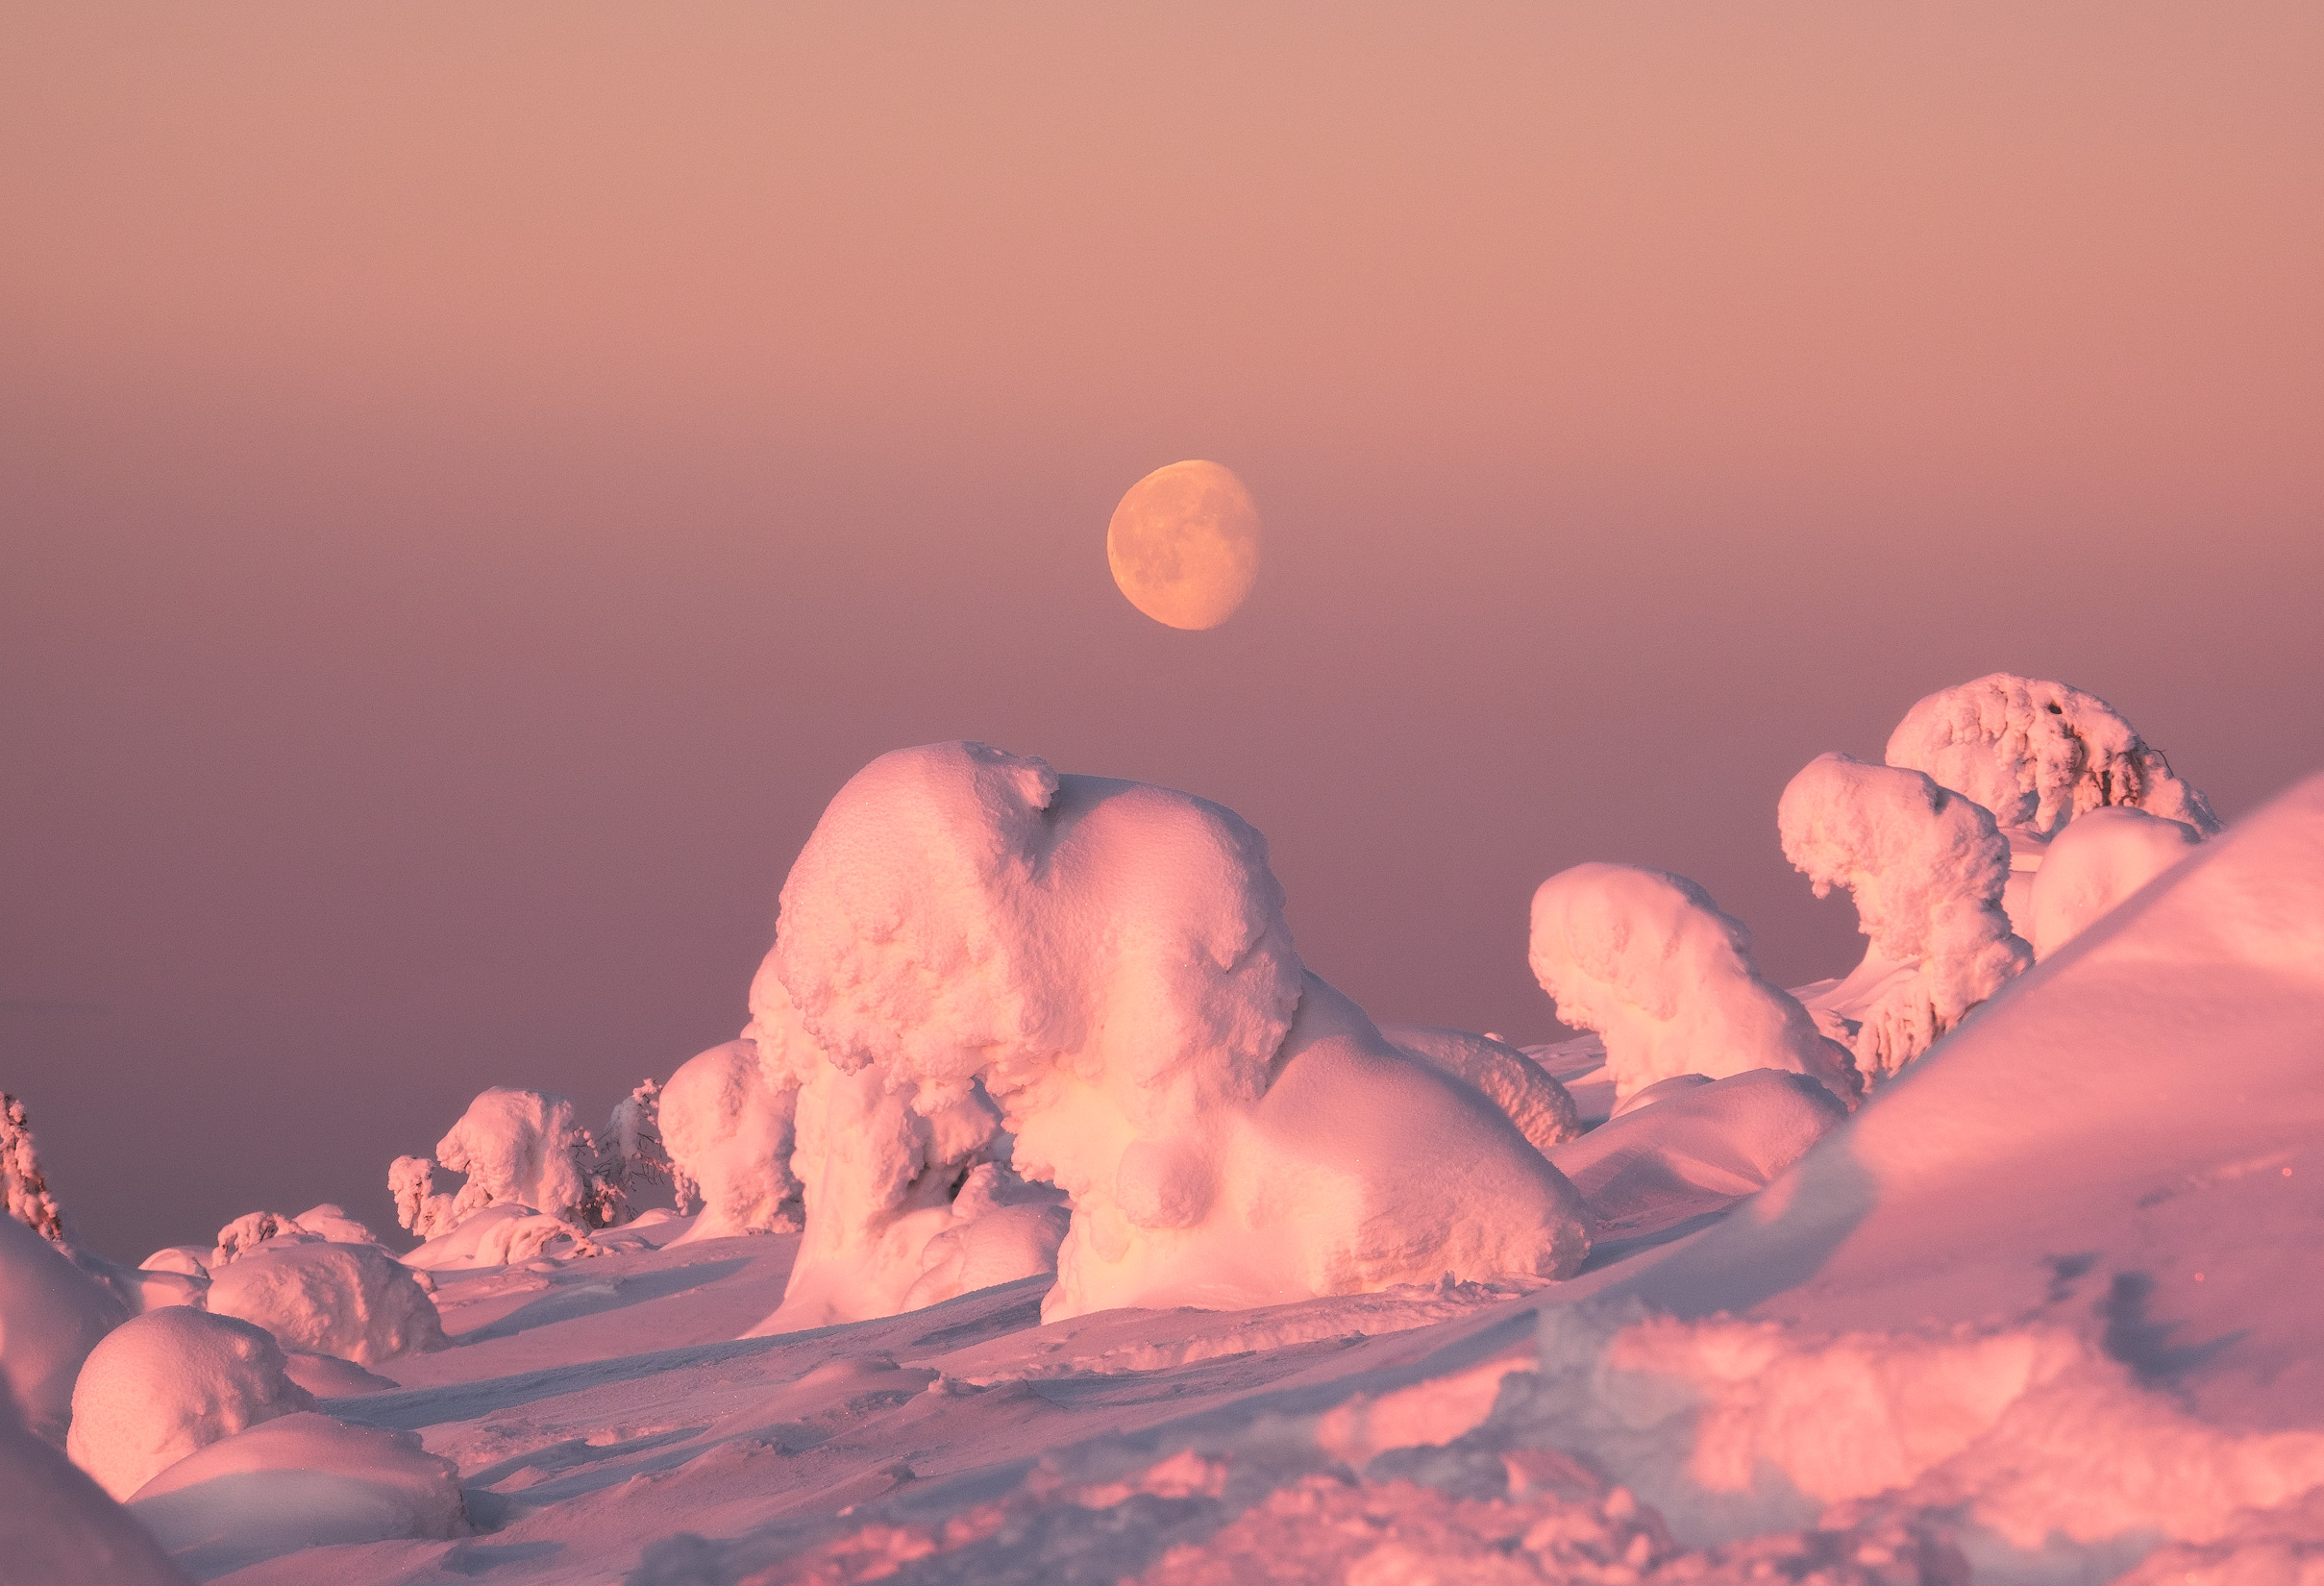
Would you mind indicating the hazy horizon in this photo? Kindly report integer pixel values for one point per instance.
(476, 483)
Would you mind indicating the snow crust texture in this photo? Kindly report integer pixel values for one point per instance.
(1646, 959)
(1108, 962)
(162, 1386)
(1927, 868)
(354, 1301)
(2037, 754)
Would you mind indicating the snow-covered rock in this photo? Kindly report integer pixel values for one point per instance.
(1541, 1108)
(352, 1301)
(2098, 862)
(161, 1386)
(1926, 867)
(1648, 961)
(726, 1125)
(2036, 755)
(51, 1315)
(296, 1482)
(1110, 960)
(58, 1527)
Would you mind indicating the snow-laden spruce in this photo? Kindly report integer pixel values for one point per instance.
(1926, 867)
(1647, 960)
(726, 1125)
(1109, 960)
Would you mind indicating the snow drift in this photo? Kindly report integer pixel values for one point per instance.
(162, 1386)
(2096, 863)
(1926, 867)
(1109, 960)
(1646, 959)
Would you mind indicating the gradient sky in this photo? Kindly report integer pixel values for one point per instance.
(475, 480)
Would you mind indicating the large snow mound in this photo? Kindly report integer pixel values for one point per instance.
(1647, 960)
(2124, 1143)
(725, 1123)
(51, 1316)
(1110, 961)
(301, 1480)
(2037, 754)
(164, 1385)
(352, 1301)
(58, 1527)
(1927, 869)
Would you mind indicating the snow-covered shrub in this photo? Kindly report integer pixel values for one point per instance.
(501, 1236)
(314, 1226)
(300, 1480)
(51, 1315)
(2095, 864)
(161, 1386)
(1926, 866)
(632, 1159)
(2039, 754)
(355, 1301)
(1647, 960)
(23, 1184)
(1539, 1107)
(726, 1125)
(1110, 961)
(426, 1211)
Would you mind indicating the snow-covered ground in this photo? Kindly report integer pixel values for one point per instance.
(2043, 1307)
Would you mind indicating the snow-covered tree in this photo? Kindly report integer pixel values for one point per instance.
(30, 1200)
(629, 1160)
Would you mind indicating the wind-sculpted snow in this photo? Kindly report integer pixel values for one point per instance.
(1109, 960)
(1539, 1107)
(1646, 959)
(726, 1125)
(162, 1386)
(1927, 868)
(2036, 755)
(2095, 864)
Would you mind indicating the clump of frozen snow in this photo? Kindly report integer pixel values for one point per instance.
(726, 1125)
(2095, 864)
(23, 1185)
(162, 1385)
(58, 1528)
(1647, 960)
(501, 1236)
(51, 1315)
(1926, 867)
(352, 1300)
(299, 1480)
(1110, 961)
(2037, 754)
(1541, 1108)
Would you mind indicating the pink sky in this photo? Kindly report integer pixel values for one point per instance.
(477, 479)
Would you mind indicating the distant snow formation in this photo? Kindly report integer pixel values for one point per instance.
(1647, 960)
(1926, 867)
(2039, 754)
(1110, 961)
(23, 1184)
(162, 1386)
(726, 1127)
(517, 1147)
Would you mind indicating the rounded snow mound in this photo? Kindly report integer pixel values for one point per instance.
(352, 1301)
(2098, 862)
(2039, 754)
(1110, 961)
(726, 1125)
(1539, 1107)
(300, 1480)
(164, 1385)
(499, 1236)
(51, 1316)
(1647, 960)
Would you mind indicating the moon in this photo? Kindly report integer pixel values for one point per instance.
(1184, 544)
